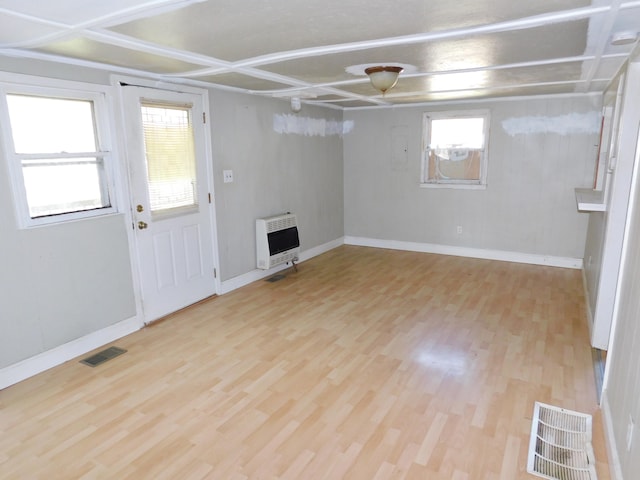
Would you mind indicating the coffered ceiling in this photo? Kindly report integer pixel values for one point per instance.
(467, 49)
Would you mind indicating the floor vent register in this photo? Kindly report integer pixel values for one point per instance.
(560, 447)
(103, 356)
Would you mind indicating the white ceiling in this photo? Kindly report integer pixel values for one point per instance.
(451, 50)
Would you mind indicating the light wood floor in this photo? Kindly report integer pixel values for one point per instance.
(366, 364)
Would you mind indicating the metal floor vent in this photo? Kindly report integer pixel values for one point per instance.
(103, 356)
(560, 447)
(275, 278)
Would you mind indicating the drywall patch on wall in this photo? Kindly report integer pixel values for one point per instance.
(568, 124)
(310, 127)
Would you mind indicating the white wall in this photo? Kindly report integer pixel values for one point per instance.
(605, 234)
(528, 206)
(594, 245)
(621, 389)
(593, 250)
(273, 173)
(60, 283)
(621, 396)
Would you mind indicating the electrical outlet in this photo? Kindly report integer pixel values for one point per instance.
(227, 176)
(459, 230)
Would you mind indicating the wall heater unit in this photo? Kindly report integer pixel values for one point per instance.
(277, 240)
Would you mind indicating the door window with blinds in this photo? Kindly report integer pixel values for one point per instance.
(455, 153)
(170, 158)
(58, 154)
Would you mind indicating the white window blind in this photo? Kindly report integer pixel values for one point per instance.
(170, 157)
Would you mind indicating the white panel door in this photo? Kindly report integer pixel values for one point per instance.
(166, 149)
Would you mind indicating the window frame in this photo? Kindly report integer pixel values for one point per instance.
(16, 84)
(479, 184)
(185, 107)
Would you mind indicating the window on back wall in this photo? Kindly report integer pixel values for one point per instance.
(58, 160)
(455, 149)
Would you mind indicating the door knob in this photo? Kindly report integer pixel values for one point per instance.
(142, 225)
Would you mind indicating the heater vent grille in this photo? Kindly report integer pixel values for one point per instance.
(560, 447)
(280, 223)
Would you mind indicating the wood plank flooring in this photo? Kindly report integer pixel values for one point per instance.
(365, 364)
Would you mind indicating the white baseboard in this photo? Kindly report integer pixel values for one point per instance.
(506, 256)
(615, 470)
(320, 249)
(44, 361)
(245, 279)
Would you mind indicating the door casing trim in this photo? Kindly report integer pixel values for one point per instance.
(125, 182)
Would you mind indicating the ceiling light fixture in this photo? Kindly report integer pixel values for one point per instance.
(383, 78)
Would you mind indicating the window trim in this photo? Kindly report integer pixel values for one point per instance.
(480, 184)
(19, 84)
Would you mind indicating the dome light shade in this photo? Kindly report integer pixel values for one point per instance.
(383, 78)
